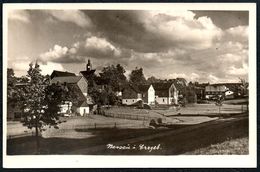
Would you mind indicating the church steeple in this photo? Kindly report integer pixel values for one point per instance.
(89, 66)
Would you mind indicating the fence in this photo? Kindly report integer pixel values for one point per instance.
(20, 135)
(111, 125)
(130, 116)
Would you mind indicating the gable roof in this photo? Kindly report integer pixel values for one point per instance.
(57, 73)
(66, 79)
(83, 104)
(178, 85)
(161, 86)
(129, 92)
(162, 89)
(143, 88)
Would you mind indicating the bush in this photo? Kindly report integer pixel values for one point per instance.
(159, 120)
(152, 123)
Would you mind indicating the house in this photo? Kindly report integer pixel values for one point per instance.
(80, 81)
(83, 108)
(56, 73)
(228, 90)
(131, 94)
(78, 88)
(166, 93)
(229, 94)
(66, 107)
(213, 90)
(182, 81)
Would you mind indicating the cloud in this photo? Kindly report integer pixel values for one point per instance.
(48, 67)
(238, 71)
(21, 67)
(73, 16)
(155, 31)
(182, 29)
(238, 32)
(19, 15)
(213, 79)
(92, 47)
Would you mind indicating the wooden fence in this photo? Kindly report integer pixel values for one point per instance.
(111, 125)
(21, 135)
(131, 116)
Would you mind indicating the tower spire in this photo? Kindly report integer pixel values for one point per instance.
(89, 66)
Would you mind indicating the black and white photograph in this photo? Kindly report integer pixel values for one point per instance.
(159, 81)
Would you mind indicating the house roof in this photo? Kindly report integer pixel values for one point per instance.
(57, 73)
(143, 88)
(178, 85)
(83, 104)
(162, 89)
(129, 92)
(66, 79)
(161, 86)
(86, 73)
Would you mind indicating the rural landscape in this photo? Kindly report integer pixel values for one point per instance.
(127, 86)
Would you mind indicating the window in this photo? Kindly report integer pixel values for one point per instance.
(133, 100)
(163, 100)
(125, 100)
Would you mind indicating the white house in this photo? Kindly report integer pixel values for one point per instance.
(229, 94)
(65, 108)
(165, 93)
(83, 109)
(131, 94)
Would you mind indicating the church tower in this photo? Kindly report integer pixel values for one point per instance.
(89, 66)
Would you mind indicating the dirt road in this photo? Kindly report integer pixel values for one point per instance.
(177, 140)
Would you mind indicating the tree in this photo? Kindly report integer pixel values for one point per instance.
(114, 76)
(12, 91)
(41, 102)
(137, 76)
(244, 90)
(244, 87)
(153, 79)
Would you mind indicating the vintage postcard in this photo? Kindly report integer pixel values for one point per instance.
(129, 85)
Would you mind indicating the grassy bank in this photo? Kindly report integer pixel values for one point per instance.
(230, 147)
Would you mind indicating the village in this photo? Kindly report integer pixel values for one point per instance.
(94, 104)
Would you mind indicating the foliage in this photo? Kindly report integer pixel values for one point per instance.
(153, 79)
(42, 100)
(137, 76)
(12, 92)
(114, 76)
(244, 87)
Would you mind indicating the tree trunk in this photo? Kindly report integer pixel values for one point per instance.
(37, 138)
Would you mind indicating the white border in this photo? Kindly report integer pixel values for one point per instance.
(188, 161)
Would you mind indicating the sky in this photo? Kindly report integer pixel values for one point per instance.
(204, 46)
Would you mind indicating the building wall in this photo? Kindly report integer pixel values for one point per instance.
(162, 100)
(83, 110)
(173, 95)
(215, 88)
(64, 108)
(129, 101)
(151, 95)
(83, 85)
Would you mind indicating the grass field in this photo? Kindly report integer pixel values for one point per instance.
(192, 114)
(173, 142)
(231, 147)
(204, 109)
